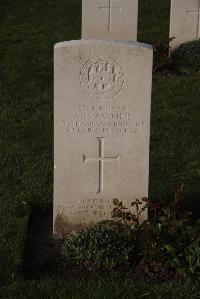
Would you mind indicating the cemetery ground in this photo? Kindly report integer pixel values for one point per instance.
(29, 30)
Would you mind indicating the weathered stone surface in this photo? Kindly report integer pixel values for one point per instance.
(184, 21)
(110, 19)
(101, 129)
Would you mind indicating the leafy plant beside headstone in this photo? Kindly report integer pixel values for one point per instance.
(187, 57)
(161, 59)
(192, 260)
(166, 246)
(183, 60)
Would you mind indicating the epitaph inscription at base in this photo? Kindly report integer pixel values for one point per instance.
(101, 129)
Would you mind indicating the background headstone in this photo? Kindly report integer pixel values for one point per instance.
(184, 21)
(110, 19)
(101, 129)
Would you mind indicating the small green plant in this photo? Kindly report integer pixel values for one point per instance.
(167, 245)
(169, 212)
(187, 57)
(121, 213)
(192, 261)
(107, 245)
(164, 240)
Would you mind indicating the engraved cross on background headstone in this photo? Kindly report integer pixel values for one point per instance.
(198, 25)
(110, 8)
(101, 159)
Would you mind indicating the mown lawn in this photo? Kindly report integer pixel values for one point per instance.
(28, 31)
(99, 289)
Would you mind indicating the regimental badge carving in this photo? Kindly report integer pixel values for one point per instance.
(102, 78)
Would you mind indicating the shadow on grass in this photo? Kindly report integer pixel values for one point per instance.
(42, 250)
(42, 257)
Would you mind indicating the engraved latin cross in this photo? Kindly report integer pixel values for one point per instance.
(198, 24)
(101, 159)
(110, 8)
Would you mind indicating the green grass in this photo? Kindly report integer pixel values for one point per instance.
(153, 22)
(175, 137)
(101, 289)
(28, 31)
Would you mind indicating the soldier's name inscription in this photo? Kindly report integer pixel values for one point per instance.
(102, 119)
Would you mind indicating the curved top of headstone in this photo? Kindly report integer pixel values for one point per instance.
(100, 42)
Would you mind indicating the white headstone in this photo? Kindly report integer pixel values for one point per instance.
(110, 19)
(185, 21)
(101, 129)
